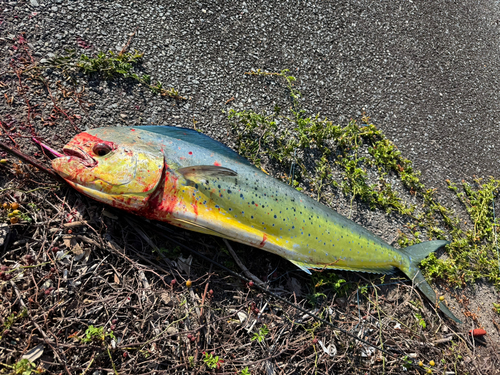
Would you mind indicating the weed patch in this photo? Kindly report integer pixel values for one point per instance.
(359, 161)
(109, 66)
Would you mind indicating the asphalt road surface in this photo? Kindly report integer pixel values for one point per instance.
(426, 72)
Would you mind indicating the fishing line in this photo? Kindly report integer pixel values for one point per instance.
(279, 298)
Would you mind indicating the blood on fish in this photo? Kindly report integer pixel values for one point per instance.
(190, 153)
(86, 137)
(264, 239)
(195, 208)
(217, 164)
(168, 207)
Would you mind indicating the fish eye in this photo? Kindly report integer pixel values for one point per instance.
(102, 149)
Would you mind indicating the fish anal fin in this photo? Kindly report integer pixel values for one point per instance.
(302, 266)
(335, 266)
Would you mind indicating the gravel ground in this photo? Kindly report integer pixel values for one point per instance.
(425, 72)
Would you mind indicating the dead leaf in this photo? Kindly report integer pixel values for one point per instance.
(242, 316)
(69, 241)
(33, 354)
(294, 285)
(184, 264)
(167, 299)
(172, 331)
(77, 250)
(4, 235)
(144, 280)
(331, 350)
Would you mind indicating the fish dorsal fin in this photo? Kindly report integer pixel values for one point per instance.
(196, 138)
(196, 173)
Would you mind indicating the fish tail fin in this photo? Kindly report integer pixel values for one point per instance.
(416, 254)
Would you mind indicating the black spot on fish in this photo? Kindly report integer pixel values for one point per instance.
(229, 191)
(275, 216)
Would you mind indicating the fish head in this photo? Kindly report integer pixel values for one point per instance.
(112, 165)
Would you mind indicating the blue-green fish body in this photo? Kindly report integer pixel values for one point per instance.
(189, 180)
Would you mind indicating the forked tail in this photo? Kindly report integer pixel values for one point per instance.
(416, 254)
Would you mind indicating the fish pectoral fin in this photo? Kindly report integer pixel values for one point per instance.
(302, 266)
(198, 172)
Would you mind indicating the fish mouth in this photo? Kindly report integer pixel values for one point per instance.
(77, 154)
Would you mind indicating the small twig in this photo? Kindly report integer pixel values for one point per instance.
(241, 265)
(125, 47)
(30, 160)
(201, 322)
(442, 341)
(42, 332)
(74, 224)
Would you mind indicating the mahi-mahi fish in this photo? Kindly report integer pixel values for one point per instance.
(189, 180)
